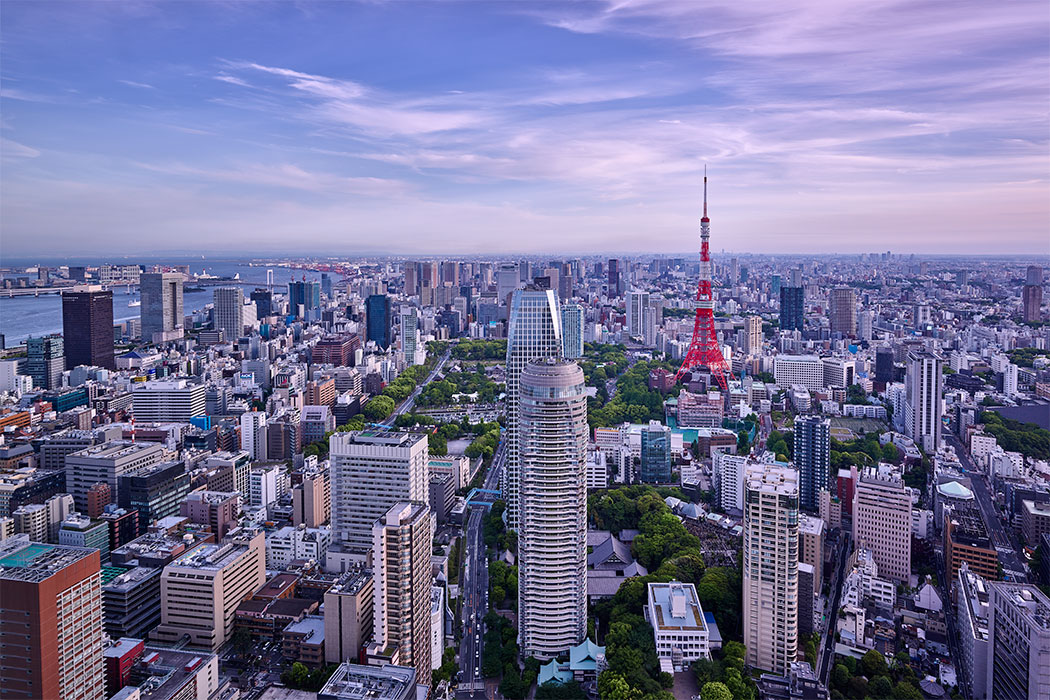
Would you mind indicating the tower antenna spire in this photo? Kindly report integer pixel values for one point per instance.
(705, 190)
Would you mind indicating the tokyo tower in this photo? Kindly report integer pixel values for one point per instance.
(704, 350)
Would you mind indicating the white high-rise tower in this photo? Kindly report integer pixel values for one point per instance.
(770, 601)
(552, 587)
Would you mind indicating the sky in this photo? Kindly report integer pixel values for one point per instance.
(330, 128)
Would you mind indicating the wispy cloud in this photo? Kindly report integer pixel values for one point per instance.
(133, 83)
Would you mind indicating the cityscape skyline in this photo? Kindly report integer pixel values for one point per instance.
(819, 129)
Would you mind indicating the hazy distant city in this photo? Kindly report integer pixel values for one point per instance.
(345, 354)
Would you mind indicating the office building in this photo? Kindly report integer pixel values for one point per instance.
(534, 333)
(770, 596)
(377, 319)
(1019, 642)
(216, 510)
(884, 365)
(923, 410)
(175, 400)
(792, 308)
(972, 607)
(304, 300)
(371, 471)
(552, 544)
(264, 302)
(680, 632)
(656, 453)
(637, 305)
(161, 311)
(229, 471)
(229, 311)
(253, 435)
(811, 546)
(729, 473)
(336, 350)
(311, 500)
(200, 590)
(289, 544)
(105, 463)
(966, 540)
(572, 322)
(156, 491)
(799, 370)
(812, 456)
(882, 520)
(87, 327)
(843, 311)
(349, 608)
(45, 361)
(51, 625)
(507, 280)
(131, 603)
(81, 531)
(401, 548)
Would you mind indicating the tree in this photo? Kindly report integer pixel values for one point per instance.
(613, 686)
(906, 691)
(742, 442)
(874, 664)
(840, 676)
(378, 408)
(880, 687)
(715, 691)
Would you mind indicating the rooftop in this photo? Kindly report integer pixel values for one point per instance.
(210, 557)
(116, 449)
(24, 561)
(675, 606)
(356, 682)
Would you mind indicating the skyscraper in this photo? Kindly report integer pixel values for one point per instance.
(812, 458)
(614, 277)
(304, 300)
(229, 311)
(411, 278)
(401, 549)
(792, 306)
(161, 310)
(45, 361)
(923, 408)
(552, 586)
(87, 326)
(51, 626)
(263, 299)
(753, 334)
(770, 597)
(572, 331)
(637, 305)
(409, 333)
(1032, 294)
(534, 333)
(843, 308)
(506, 280)
(377, 318)
(882, 520)
(371, 471)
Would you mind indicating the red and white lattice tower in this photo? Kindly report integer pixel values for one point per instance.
(704, 350)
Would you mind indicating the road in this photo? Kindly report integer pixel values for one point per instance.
(408, 404)
(828, 652)
(474, 587)
(1011, 561)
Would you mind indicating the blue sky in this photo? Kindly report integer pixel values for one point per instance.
(461, 127)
